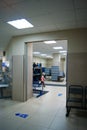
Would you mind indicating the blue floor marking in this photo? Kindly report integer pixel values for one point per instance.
(60, 94)
(22, 115)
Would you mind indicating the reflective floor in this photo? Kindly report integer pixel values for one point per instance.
(46, 112)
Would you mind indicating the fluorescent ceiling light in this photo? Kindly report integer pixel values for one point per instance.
(49, 56)
(63, 51)
(49, 42)
(36, 52)
(58, 47)
(20, 24)
(43, 54)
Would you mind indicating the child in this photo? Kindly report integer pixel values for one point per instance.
(42, 80)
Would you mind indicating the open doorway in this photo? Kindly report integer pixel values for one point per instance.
(45, 56)
(52, 57)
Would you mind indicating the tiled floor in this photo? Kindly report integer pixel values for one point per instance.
(44, 113)
(55, 83)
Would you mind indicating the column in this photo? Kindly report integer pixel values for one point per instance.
(56, 59)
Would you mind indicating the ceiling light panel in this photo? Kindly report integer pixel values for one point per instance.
(43, 54)
(63, 51)
(58, 47)
(49, 56)
(50, 42)
(20, 24)
(36, 52)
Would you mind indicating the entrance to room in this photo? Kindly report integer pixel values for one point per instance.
(51, 57)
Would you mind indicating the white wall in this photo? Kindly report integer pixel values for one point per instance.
(77, 68)
(15, 47)
(49, 63)
(39, 60)
(76, 40)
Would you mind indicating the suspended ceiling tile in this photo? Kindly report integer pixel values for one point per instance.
(50, 5)
(81, 14)
(45, 15)
(81, 4)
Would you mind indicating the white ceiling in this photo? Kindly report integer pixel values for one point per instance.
(45, 15)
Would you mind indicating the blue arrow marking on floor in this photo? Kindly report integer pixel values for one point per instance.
(17, 114)
(22, 115)
(60, 94)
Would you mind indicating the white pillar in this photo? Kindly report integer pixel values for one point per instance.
(56, 59)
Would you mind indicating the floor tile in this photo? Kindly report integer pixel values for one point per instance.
(47, 112)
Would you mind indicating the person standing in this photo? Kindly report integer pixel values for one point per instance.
(42, 81)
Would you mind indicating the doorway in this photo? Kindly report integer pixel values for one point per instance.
(47, 56)
(52, 55)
